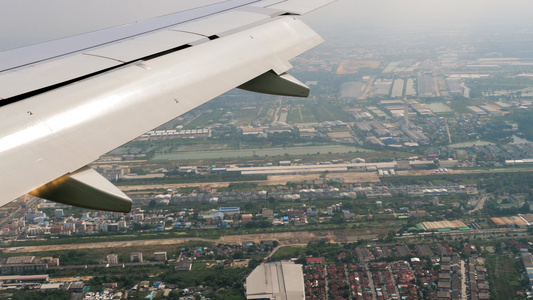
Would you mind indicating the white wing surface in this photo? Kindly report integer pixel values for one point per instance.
(66, 102)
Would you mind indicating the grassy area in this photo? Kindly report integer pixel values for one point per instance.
(322, 113)
(460, 105)
(308, 115)
(207, 118)
(505, 277)
(262, 112)
(245, 116)
(294, 115)
(339, 113)
(287, 252)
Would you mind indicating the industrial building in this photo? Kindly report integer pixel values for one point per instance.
(476, 110)
(339, 168)
(444, 225)
(276, 281)
(510, 222)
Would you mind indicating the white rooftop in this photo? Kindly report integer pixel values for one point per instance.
(277, 281)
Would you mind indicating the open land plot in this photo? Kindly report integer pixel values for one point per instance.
(351, 67)
(286, 252)
(169, 244)
(504, 277)
(130, 188)
(133, 244)
(245, 117)
(339, 113)
(339, 135)
(148, 250)
(355, 177)
(284, 238)
(322, 113)
(271, 180)
(329, 112)
(283, 179)
(195, 155)
(295, 115)
(307, 114)
(205, 119)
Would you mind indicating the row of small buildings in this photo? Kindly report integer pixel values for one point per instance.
(23, 264)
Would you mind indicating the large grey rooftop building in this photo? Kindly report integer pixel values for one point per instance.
(276, 281)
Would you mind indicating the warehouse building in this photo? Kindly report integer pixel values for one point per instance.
(276, 281)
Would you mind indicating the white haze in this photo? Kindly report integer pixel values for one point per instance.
(26, 22)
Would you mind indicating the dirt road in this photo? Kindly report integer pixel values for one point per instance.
(284, 238)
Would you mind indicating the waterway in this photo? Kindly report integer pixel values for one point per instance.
(259, 152)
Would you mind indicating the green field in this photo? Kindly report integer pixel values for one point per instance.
(257, 152)
(294, 115)
(205, 119)
(287, 252)
(505, 277)
(307, 114)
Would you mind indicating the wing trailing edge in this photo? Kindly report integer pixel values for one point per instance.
(85, 188)
(273, 84)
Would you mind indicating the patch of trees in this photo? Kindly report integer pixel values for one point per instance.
(510, 182)
(214, 277)
(38, 295)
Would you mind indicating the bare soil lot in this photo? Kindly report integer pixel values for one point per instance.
(355, 177)
(284, 238)
(351, 67)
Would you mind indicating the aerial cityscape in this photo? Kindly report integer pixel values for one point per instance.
(406, 174)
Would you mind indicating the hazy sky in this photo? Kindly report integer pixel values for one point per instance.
(421, 15)
(28, 21)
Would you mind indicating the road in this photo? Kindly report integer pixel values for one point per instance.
(463, 280)
(284, 238)
(371, 284)
(368, 88)
(480, 204)
(448, 131)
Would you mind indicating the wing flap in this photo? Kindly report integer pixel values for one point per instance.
(220, 23)
(43, 75)
(139, 47)
(85, 188)
(190, 10)
(274, 84)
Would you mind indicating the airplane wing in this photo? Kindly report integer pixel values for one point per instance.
(65, 103)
